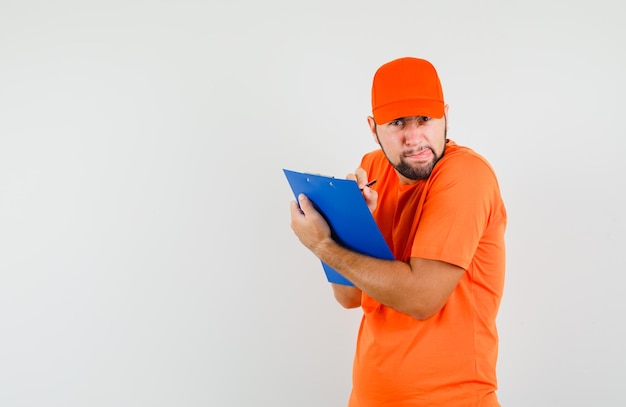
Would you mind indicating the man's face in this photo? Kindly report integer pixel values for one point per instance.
(412, 145)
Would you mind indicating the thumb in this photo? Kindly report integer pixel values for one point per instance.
(305, 203)
(308, 207)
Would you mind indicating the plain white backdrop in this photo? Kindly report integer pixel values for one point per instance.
(146, 257)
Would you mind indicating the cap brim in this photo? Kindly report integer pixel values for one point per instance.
(406, 108)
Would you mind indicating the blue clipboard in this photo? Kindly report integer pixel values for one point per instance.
(341, 203)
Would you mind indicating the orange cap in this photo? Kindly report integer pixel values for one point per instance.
(406, 87)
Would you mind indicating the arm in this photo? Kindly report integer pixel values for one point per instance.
(347, 296)
(419, 288)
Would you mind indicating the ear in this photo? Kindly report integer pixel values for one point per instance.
(372, 124)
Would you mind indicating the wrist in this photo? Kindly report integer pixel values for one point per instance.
(326, 248)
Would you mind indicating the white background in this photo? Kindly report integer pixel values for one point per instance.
(146, 257)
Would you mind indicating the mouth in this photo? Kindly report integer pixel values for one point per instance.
(422, 154)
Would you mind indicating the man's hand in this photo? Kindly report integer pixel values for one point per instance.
(370, 195)
(313, 231)
(309, 225)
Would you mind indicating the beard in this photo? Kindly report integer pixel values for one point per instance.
(416, 173)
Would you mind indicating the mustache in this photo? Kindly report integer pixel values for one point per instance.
(416, 150)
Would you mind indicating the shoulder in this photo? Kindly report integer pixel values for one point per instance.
(463, 162)
(464, 174)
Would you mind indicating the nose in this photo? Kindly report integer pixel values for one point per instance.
(412, 133)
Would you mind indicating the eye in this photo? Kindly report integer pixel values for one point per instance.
(424, 118)
(397, 122)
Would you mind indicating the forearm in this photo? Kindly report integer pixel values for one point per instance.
(419, 289)
(392, 283)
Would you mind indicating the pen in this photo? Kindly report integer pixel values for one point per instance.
(369, 184)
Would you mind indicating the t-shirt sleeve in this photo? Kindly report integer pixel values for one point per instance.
(456, 210)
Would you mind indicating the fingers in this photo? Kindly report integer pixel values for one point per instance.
(295, 209)
(360, 176)
(307, 223)
(369, 193)
(301, 207)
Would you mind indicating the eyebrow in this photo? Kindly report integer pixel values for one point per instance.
(406, 117)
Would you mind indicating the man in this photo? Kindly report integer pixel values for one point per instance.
(428, 334)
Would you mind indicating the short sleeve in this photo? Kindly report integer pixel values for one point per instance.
(460, 197)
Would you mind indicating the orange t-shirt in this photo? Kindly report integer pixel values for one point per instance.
(456, 215)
